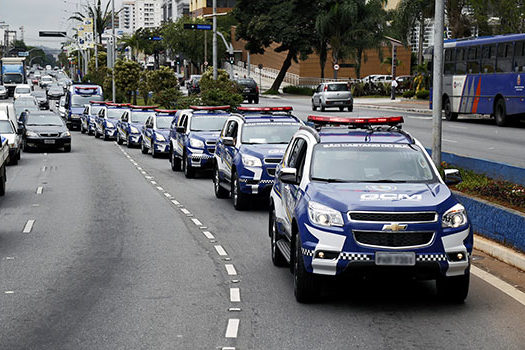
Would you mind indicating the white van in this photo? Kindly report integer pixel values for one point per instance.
(22, 90)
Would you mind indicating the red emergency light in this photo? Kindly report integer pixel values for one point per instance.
(143, 107)
(100, 102)
(167, 111)
(118, 104)
(320, 120)
(265, 109)
(210, 108)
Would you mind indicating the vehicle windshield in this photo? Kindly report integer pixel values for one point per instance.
(44, 119)
(114, 113)
(13, 78)
(209, 123)
(80, 100)
(370, 162)
(247, 82)
(6, 127)
(2, 88)
(140, 116)
(40, 94)
(268, 132)
(23, 90)
(338, 87)
(164, 122)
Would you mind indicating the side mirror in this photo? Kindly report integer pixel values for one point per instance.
(288, 176)
(20, 130)
(180, 129)
(228, 141)
(452, 177)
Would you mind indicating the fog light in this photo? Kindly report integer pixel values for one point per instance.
(458, 256)
(326, 255)
(321, 255)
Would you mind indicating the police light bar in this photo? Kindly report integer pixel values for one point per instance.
(143, 107)
(265, 109)
(118, 104)
(320, 120)
(166, 111)
(100, 102)
(210, 108)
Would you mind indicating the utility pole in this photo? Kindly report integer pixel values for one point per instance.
(113, 88)
(95, 32)
(437, 86)
(214, 39)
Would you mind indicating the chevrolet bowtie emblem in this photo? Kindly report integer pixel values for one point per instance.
(395, 227)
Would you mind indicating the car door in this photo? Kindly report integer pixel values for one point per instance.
(123, 125)
(225, 154)
(182, 136)
(179, 135)
(148, 132)
(100, 119)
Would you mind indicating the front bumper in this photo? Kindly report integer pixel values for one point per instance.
(134, 139)
(200, 159)
(110, 133)
(48, 142)
(13, 151)
(161, 147)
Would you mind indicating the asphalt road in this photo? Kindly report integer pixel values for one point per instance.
(471, 136)
(126, 254)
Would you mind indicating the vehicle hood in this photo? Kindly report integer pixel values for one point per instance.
(77, 110)
(265, 150)
(11, 138)
(137, 125)
(205, 135)
(46, 128)
(381, 197)
(163, 132)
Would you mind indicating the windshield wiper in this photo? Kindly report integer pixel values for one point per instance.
(329, 179)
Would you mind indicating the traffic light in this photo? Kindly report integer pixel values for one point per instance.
(177, 60)
(232, 58)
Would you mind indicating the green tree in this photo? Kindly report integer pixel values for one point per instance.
(162, 79)
(220, 92)
(127, 78)
(144, 87)
(149, 46)
(288, 23)
(134, 43)
(101, 16)
(97, 76)
(459, 21)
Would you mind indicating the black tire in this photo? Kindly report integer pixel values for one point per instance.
(306, 286)
(500, 112)
(82, 130)
(249, 100)
(341, 109)
(256, 100)
(18, 155)
(323, 108)
(67, 148)
(449, 115)
(119, 140)
(153, 153)
(240, 200)
(25, 147)
(143, 148)
(97, 135)
(453, 289)
(351, 108)
(2, 182)
(128, 143)
(189, 172)
(277, 256)
(314, 107)
(13, 161)
(175, 162)
(220, 192)
(106, 137)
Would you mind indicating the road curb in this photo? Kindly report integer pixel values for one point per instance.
(500, 252)
(398, 109)
(272, 97)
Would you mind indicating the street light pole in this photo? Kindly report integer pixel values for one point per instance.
(113, 88)
(214, 39)
(95, 32)
(437, 86)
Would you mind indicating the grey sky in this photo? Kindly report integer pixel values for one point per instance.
(37, 15)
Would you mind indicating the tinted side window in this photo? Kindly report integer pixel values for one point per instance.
(450, 61)
(505, 54)
(231, 129)
(473, 60)
(488, 59)
(519, 57)
(461, 64)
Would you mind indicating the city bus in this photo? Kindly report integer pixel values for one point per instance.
(485, 75)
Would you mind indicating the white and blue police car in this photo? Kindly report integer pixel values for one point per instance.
(251, 144)
(87, 120)
(156, 133)
(194, 136)
(107, 119)
(129, 127)
(365, 198)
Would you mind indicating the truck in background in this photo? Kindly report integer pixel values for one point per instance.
(13, 73)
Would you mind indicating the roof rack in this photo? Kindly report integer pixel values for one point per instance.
(143, 107)
(166, 111)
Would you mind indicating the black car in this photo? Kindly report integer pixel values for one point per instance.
(41, 98)
(249, 89)
(45, 130)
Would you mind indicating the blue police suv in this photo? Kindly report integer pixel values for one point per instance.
(129, 127)
(365, 199)
(107, 119)
(156, 133)
(194, 136)
(87, 120)
(250, 146)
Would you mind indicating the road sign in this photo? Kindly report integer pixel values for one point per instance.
(52, 34)
(197, 26)
(23, 54)
(260, 66)
(336, 67)
(155, 38)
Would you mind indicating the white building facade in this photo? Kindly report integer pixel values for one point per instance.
(148, 13)
(174, 9)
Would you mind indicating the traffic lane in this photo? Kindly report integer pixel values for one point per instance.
(476, 137)
(370, 314)
(101, 270)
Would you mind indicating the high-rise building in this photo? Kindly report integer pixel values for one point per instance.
(127, 16)
(174, 9)
(148, 13)
(198, 8)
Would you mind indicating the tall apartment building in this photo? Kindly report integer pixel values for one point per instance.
(198, 8)
(127, 16)
(174, 9)
(137, 14)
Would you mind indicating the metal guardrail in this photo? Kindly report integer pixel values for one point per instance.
(270, 73)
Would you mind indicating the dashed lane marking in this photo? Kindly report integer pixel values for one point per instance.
(29, 226)
(196, 222)
(186, 211)
(451, 141)
(230, 269)
(39, 190)
(9, 292)
(208, 234)
(175, 202)
(220, 250)
(160, 189)
(235, 295)
(167, 195)
(227, 348)
(233, 328)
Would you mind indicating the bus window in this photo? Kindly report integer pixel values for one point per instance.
(450, 59)
(488, 58)
(504, 64)
(473, 60)
(519, 59)
(461, 64)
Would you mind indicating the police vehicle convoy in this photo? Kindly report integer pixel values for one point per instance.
(107, 118)
(194, 136)
(156, 133)
(77, 96)
(366, 198)
(87, 120)
(129, 127)
(250, 146)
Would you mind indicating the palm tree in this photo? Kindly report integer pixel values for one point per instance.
(134, 43)
(102, 18)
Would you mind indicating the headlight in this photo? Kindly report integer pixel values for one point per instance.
(31, 134)
(454, 217)
(110, 125)
(325, 216)
(194, 143)
(251, 161)
(134, 130)
(65, 134)
(160, 138)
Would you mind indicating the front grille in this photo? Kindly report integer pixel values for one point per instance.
(271, 172)
(393, 239)
(211, 149)
(49, 134)
(272, 160)
(211, 142)
(425, 216)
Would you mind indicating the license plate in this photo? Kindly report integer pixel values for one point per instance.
(49, 142)
(246, 90)
(396, 259)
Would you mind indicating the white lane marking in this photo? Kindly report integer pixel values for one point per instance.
(208, 234)
(139, 168)
(143, 172)
(235, 295)
(160, 188)
(457, 127)
(153, 182)
(233, 328)
(44, 168)
(9, 292)
(451, 141)
(39, 190)
(220, 250)
(413, 117)
(149, 177)
(227, 348)
(45, 154)
(196, 222)
(230, 269)
(234, 309)
(503, 286)
(175, 202)
(29, 226)
(10, 258)
(186, 211)
(167, 195)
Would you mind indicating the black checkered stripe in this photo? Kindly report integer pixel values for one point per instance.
(355, 256)
(431, 257)
(307, 252)
(201, 156)
(260, 181)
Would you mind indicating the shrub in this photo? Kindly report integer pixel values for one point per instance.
(220, 97)
(298, 90)
(168, 98)
(222, 91)
(184, 102)
(358, 89)
(423, 94)
(271, 92)
(409, 94)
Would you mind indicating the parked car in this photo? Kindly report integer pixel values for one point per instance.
(333, 95)
(22, 90)
(129, 127)
(188, 82)
(45, 129)
(41, 98)
(156, 133)
(404, 81)
(250, 90)
(3, 92)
